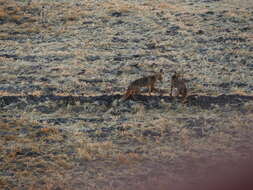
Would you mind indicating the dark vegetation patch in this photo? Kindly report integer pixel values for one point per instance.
(224, 39)
(58, 121)
(204, 102)
(33, 58)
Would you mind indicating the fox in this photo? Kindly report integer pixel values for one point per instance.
(179, 84)
(148, 81)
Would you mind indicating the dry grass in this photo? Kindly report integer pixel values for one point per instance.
(72, 59)
(44, 151)
(24, 154)
(93, 151)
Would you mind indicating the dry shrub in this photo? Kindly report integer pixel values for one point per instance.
(63, 162)
(10, 137)
(49, 130)
(11, 12)
(3, 183)
(84, 154)
(92, 151)
(128, 158)
(3, 13)
(15, 17)
(122, 159)
(4, 125)
(185, 135)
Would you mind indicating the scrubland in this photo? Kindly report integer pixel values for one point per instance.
(65, 65)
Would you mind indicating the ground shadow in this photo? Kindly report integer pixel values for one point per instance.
(203, 101)
(221, 100)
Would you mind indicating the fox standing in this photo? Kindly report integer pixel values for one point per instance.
(149, 82)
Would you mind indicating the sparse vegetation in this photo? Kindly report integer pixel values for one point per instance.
(66, 64)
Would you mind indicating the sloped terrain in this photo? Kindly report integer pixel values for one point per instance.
(66, 64)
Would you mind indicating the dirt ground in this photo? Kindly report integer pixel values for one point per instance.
(64, 66)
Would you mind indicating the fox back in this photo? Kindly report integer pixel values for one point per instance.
(146, 81)
(142, 82)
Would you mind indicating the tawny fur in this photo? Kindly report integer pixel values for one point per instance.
(149, 82)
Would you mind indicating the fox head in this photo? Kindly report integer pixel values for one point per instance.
(176, 76)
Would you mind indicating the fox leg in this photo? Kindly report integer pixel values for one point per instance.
(184, 100)
(177, 92)
(171, 90)
(153, 89)
(131, 94)
(156, 90)
(149, 90)
(134, 92)
(184, 96)
(134, 97)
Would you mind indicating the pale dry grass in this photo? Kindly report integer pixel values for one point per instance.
(241, 4)
(92, 151)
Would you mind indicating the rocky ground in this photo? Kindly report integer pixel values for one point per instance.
(65, 65)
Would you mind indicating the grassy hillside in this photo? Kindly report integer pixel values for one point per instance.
(65, 65)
